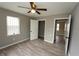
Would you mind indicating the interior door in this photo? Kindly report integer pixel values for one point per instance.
(33, 29)
(67, 34)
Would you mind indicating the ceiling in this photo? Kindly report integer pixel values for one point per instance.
(53, 8)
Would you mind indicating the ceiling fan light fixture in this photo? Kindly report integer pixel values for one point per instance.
(33, 11)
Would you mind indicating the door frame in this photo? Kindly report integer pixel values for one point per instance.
(44, 26)
(55, 19)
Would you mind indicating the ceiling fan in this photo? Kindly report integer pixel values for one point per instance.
(34, 8)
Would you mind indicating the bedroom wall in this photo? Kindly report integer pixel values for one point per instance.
(74, 44)
(24, 28)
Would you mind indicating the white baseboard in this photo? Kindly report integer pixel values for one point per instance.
(14, 43)
(48, 41)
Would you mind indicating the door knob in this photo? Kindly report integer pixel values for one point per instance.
(68, 37)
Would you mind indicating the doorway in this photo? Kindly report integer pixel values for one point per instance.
(60, 30)
(41, 28)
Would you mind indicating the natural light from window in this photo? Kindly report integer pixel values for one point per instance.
(13, 25)
(57, 27)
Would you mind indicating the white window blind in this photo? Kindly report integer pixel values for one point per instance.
(13, 25)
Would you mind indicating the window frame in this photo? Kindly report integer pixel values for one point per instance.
(15, 33)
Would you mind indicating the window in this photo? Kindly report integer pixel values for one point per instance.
(13, 25)
(57, 27)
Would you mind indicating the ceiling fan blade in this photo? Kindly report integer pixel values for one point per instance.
(28, 11)
(37, 12)
(24, 7)
(41, 9)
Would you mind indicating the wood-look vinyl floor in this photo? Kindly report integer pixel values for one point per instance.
(34, 48)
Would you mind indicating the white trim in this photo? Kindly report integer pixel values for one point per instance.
(41, 19)
(61, 18)
(14, 43)
(48, 41)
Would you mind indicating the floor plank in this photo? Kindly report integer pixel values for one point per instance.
(34, 48)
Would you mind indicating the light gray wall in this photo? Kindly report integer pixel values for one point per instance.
(74, 46)
(24, 27)
(41, 28)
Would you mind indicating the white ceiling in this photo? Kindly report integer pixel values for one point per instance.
(53, 8)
